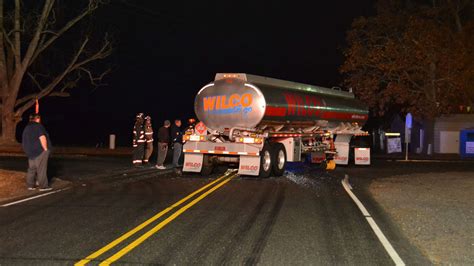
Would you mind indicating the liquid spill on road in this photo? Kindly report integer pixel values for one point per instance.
(315, 179)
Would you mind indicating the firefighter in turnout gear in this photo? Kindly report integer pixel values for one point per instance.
(138, 140)
(148, 138)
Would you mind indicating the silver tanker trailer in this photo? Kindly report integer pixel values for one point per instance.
(260, 123)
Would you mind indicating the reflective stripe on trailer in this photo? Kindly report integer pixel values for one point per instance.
(223, 152)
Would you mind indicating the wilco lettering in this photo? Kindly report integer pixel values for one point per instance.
(249, 167)
(358, 117)
(303, 106)
(193, 165)
(362, 159)
(224, 104)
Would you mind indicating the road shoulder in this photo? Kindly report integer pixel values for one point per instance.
(13, 186)
(433, 210)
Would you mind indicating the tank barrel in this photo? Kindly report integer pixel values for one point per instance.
(247, 101)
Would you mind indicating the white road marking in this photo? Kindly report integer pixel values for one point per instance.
(386, 244)
(34, 197)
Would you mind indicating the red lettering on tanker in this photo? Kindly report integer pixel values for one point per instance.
(302, 106)
(341, 158)
(192, 165)
(228, 104)
(249, 167)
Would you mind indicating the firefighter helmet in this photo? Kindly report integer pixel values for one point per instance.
(139, 116)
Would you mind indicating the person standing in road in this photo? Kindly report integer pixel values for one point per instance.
(37, 146)
(177, 139)
(163, 141)
(138, 140)
(148, 138)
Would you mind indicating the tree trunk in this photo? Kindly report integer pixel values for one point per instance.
(9, 124)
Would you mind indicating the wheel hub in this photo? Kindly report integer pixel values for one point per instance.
(281, 159)
(266, 161)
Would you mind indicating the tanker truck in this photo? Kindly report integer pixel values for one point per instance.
(261, 123)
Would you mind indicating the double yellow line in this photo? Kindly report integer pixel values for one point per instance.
(220, 182)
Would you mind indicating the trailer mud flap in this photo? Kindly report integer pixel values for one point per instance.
(249, 165)
(362, 156)
(342, 147)
(192, 162)
(342, 156)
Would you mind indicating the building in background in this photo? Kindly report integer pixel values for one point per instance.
(446, 133)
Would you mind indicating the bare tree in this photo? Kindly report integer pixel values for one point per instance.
(25, 38)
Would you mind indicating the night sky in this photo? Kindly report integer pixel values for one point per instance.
(166, 51)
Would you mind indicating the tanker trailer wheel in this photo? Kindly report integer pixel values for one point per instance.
(207, 165)
(323, 165)
(266, 159)
(279, 159)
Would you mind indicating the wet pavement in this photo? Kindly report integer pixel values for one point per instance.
(304, 217)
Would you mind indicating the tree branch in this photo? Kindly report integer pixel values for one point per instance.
(34, 96)
(35, 81)
(48, 89)
(96, 79)
(103, 52)
(3, 61)
(60, 94)
(28, 97)
(32, 47)
(9, 41)
(93, 5)
(25, 99)
(17, 35)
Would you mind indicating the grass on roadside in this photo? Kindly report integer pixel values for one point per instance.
(13, 185)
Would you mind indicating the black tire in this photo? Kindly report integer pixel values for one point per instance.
(323, 165)
(351, 156)
(266, 161)
(279, 159)
(207, 166)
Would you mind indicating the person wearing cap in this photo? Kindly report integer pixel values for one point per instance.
(163, 141)
(138, 140)
(37, 146)
(148, 138)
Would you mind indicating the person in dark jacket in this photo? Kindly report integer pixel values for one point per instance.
(177, 140)
(149, 139)
(163, 141)
(138, 140)
(37, 146)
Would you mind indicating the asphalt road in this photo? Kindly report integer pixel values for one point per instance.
(303, 218)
